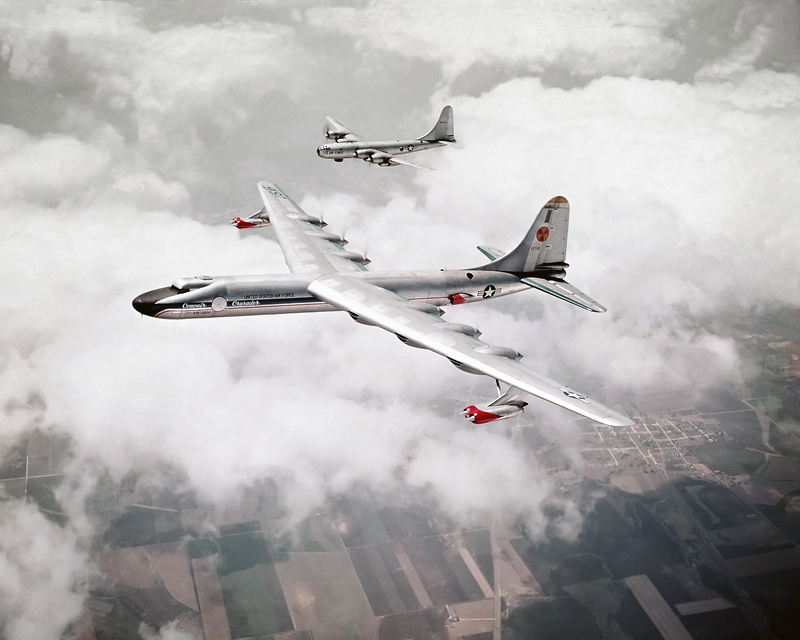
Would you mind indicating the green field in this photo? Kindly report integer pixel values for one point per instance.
(729, 458)
(251, 591)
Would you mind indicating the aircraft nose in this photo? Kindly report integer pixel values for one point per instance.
(141, 306)
(318, 153)
(147, 302)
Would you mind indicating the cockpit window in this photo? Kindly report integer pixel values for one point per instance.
(182, 285)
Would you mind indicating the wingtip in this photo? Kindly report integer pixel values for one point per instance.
(620, 421)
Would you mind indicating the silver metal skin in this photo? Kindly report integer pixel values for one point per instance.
(327, 277)
(348, 145)
(270, 294)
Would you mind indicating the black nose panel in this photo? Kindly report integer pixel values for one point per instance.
(147, 303)
(141, 306)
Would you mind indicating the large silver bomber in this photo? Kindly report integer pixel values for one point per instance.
(327, 277)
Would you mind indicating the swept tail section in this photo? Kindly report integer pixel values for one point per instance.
(443, 130)
(543, 251)
(540, 259)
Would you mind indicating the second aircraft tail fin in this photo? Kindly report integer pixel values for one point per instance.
(443, 130)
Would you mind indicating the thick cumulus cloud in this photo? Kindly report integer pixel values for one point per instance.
(42, 568)
(137, 127)
(577, 40)
(615, 37)
(681, 209)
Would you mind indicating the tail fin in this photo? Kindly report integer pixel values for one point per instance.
(543, 251)
(443, 131)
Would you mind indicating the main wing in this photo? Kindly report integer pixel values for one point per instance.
(419, 325)
(335, 130)
(306, 246)
(385, 159)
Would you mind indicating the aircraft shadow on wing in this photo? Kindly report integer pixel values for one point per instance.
(325, 276)
(346, 144)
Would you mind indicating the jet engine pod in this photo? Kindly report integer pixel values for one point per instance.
(503, 352)
(249, 223)
(482, 413)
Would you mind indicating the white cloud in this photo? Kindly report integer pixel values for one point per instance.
(682, 197)
(40, 573)
(47, 169)
(620, 37)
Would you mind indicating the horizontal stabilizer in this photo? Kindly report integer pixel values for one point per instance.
(565, 291)
(491, 253)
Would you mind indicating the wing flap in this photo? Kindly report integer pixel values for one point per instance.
(566, 291)
(393, 313)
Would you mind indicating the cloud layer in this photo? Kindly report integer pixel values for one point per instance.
(130, 133)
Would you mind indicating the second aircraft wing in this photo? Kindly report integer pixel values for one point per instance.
(335, 129)
(419, 325)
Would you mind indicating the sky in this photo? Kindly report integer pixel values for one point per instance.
(130, 133)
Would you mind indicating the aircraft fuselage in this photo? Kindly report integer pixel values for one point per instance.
(228, 296)
(352, 149)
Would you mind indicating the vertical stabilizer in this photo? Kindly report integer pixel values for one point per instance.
(544, 248)
(443, 131)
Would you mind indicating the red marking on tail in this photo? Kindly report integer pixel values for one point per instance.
(542, 233)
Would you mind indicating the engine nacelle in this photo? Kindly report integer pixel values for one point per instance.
(460, 328)
(432, 309)
(325, 235)
(483, 413)
(503, 352)
(334, 135)
(353, 256)
(307, 218)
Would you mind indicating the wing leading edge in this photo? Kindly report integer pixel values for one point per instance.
(373, 305)
(335, 130)
(306, 246)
